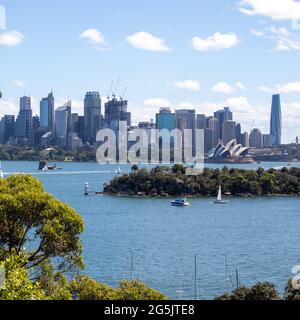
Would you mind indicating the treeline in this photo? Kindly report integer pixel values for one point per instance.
(56, 154)
(162, 181)
(41, 250)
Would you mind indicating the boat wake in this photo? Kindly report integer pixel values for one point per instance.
(54, 173)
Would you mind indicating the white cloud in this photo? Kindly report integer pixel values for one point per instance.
(275, 9)
(291, 87)
(218, 41)
(188, 85)
(240, 86)
(13, 38)
(223, 87)
(285, 40)
(257, 33)
(146, 41)
(157, 103)
(94, 37)
(19, 83)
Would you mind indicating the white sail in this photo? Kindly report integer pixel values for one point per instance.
(220, 194)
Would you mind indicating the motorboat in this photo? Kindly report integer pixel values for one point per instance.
(180, 202)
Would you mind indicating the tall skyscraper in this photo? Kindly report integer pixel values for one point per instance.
(62, 124)
(24, 120)
(201, 121)
(47, 113)
(276, 121)
(222, 116)
(229, 131)
(165, 119)
(214, 126)
(8, 128)
(115, 112)
(92, 116)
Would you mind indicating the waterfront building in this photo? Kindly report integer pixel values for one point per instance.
(229, 131)
(47, 113)
(92, 116)
(276, 121)
(256, 139)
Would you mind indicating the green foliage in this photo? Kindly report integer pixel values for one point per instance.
(85, 288)
(23, 153)
(161, 182)
(136, 290)
(31, 218)
(17, 283)
(291, 293)
(261, 291)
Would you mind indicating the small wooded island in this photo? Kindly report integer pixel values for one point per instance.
(164, 182)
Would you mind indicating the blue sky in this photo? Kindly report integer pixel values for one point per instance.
(183, 53)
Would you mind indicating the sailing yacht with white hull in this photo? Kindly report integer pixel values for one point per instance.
(220, 197)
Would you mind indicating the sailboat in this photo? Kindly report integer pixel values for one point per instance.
(1, 171)
(118, 171)
(220, 198)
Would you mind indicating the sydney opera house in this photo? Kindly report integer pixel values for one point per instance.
(231, 150)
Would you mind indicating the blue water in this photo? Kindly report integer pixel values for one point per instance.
(260, 236)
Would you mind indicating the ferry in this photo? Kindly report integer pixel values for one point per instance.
(43, 166)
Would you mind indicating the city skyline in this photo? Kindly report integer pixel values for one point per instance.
(222, 53)
(64, 128)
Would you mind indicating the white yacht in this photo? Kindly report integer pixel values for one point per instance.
(220, 197)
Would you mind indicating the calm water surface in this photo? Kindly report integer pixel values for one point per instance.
(260, 236)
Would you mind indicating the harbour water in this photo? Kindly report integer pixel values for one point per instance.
(260, 236)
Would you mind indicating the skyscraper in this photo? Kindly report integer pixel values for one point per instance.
(62, 124)
(92, 116)
(47, 113)
(214, 126)
(222, 116)
(24, 120)
(165, 119)
(276, 121)
(256, 139)
(229, 131)
(115, 112)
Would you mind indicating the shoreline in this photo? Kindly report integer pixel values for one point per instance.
(104, 194)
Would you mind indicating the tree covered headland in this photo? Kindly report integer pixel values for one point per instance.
(23, 153)
(162, 181)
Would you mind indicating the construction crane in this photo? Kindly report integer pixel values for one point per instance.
(117, 87)
(124, 93)
(110, 90)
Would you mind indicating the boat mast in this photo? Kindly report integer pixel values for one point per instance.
(196, 293)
